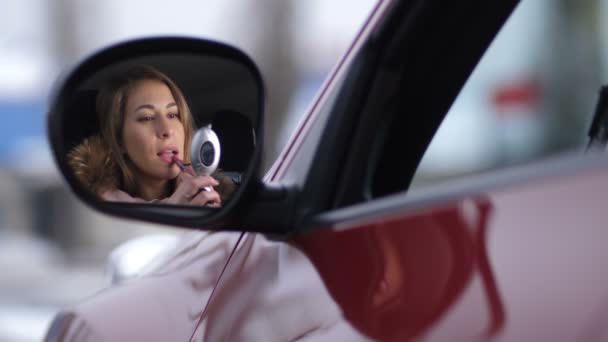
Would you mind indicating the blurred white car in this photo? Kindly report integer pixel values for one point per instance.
(498, 117)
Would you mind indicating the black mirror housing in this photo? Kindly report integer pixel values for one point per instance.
(221, 85)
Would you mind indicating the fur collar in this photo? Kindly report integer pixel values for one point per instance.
(94, 165)
(97, 170)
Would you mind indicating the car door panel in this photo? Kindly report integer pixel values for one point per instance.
(516, 261)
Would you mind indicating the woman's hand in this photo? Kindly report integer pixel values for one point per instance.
(195, 190)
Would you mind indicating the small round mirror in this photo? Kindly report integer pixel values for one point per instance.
(205, 151)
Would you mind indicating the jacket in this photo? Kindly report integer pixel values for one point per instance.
(96, 169)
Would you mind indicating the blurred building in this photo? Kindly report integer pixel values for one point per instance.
(529, 98)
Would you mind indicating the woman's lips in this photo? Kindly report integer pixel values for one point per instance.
(166, 155)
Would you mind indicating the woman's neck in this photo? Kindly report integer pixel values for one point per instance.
(153, 189)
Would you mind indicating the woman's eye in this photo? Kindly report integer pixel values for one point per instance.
(145, 118)
(173, 115)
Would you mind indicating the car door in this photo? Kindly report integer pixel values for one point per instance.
(385, 99)
(514, 254)
(360, 143)
(365, 246)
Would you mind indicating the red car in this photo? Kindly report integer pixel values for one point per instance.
(331, 244)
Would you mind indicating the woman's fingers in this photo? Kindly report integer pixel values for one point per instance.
(188, 169)
(207, 198)
(202, 182)
(182, 176)
(189, 190)
(192, 185)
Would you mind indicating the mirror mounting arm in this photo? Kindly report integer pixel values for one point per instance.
(273, 211)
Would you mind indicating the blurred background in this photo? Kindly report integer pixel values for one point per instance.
(531, 97)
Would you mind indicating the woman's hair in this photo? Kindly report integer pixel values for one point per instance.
(111, 104)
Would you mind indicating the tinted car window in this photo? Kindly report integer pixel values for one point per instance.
(531, 96)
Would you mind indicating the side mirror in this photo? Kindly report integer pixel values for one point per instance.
(113, 133)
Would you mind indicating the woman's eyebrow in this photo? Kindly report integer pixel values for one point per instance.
(151, 107)
(144, 106)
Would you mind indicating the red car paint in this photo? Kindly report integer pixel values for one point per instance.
(519, 263)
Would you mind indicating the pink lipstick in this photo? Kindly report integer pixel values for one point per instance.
(179, 163)
(182, 166)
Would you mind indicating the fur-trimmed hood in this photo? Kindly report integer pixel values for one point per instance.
(94, 166)
(96, 169)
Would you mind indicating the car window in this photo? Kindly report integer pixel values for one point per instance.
(531, 96)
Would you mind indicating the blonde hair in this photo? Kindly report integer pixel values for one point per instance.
(111, 104)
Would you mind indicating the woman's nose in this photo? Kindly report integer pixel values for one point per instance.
(164, 129)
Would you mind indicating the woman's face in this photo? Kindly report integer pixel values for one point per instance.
(153, 132)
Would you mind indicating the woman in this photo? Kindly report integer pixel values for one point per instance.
(145, 126)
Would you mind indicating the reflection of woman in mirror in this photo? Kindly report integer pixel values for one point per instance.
(145, 125)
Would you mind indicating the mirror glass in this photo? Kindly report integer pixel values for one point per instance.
(127, 129)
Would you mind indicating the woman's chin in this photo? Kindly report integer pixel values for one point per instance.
(167, 173)
(174, 171)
